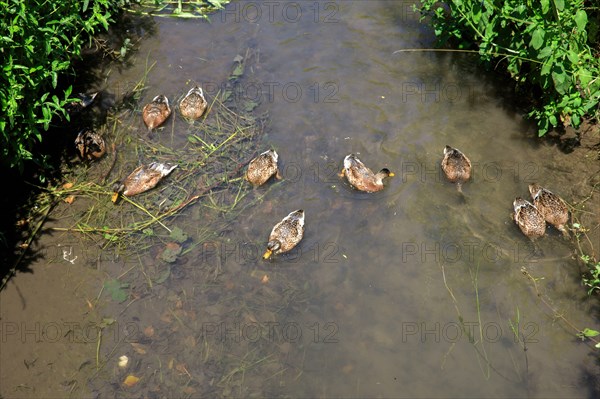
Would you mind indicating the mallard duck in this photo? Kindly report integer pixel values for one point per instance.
(551, 206)
(528, 218)
(142, 179)
(156, 112)
(90, 145)
(262, 168)
(286, 234)
(193, 104)
(85, 101)
(456, 166)
(361, 177)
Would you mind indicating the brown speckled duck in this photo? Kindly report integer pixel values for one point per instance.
(143, 178)
(90, 145)
(156, 113)
(551, 206)
(286, 234)
(528, 218)
(456, 166)
(361, 177)
(193, 104)
(262, 168)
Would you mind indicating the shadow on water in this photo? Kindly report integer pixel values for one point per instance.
(21, 224)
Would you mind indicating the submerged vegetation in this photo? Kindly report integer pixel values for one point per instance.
(552, 47)
(209, 171)
(178, 8)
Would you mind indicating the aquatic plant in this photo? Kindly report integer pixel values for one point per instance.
(209, 173)
(551, 46)
(178, 8)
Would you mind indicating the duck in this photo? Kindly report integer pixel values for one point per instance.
(286, 234)
(528, 218)
(361, 177)
(261, 168)
(193, 104)
(551, 206)
(456, 166)
(85, 100)
(90, 145)
(156, 113)
(142, 179)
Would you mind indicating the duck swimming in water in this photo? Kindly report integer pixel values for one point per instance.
(143, 178)
(286, 234)
(193, 104)
(551, 206)
(361, 177)
(156, 113)
(528, 218)
(90, 145)
(262, 168)
(456, 166)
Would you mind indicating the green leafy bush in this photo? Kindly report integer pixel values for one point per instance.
(544, 43)
(38, 41)
(593, 280)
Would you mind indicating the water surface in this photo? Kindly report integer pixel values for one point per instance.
(411, 292)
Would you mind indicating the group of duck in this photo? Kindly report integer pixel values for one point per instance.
(530, 217)
(91, 145)
(285, 235)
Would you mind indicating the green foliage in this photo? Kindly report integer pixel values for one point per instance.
(593, 281)
(588, 333)
(38, 41)
(543, 43)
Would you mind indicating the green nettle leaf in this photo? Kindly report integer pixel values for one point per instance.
(573, 57)
(546, 66)
(581, 20)
(545, 6)
(558, 73)
(537, 38)
(545, 52)
(559, 4)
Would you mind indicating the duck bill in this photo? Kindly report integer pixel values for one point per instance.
(114, 198)
(267, 254)
(392, 174)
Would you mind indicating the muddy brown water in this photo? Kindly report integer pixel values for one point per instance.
(410, 292)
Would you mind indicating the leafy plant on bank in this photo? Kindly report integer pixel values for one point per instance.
(593, 281)
(38, 41)
(545, 43)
